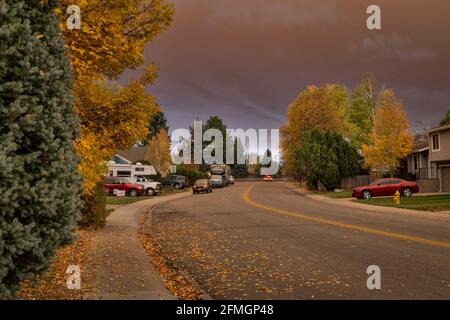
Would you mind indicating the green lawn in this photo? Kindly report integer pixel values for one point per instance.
(338, 195)
(122, 201)
(423, 203)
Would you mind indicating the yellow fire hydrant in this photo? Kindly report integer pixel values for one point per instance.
(397, 198)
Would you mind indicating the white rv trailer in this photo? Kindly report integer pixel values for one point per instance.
(128, 170)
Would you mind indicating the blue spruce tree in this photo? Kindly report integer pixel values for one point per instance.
(39, 184)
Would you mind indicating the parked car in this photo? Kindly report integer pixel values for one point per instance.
(202, 185)
(217, 181)
(175, 181)
(151, 187)
(386, 187)
(231, 179)
(268, 178)
(121, 184)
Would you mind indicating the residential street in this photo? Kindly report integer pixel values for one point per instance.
(266, 241)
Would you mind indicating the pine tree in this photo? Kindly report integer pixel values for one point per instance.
(157, 122)
(39, 184)
(446, 119)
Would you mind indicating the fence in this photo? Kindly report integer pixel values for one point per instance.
(426, 173)
(351, 182)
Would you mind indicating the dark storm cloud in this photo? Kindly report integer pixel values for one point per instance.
(247, 60)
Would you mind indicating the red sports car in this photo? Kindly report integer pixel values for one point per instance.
(386, 187)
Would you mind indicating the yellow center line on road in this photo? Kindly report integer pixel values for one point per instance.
(341, 224)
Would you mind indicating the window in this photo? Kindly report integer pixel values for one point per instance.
(139, 169)
(124, 173)
(415, 162)
(435, 145)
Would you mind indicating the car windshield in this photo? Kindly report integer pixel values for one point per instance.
(215, 177)
(201, 182)
(376, 182)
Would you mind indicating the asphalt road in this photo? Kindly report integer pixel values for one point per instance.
(265, 241)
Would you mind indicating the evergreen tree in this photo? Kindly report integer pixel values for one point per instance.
(157, 122)
(39, 184)
(326, 157)
(446, 119)
(239, 170)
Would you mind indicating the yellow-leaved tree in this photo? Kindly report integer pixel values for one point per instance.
(391, 139)
(111, 40)
(158, 152)
(322, 108)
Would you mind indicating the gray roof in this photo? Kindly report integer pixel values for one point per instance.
(134, 154)
(439, 128)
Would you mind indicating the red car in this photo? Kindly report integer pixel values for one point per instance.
(386, 187)
(268, 178)
(131, 189)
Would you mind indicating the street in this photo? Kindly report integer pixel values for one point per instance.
(265, 241)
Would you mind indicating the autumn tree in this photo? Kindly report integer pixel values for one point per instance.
(391, 139)
(40, 187)
(322, 108)
(112, 39)
(361, 112)
(158, 152)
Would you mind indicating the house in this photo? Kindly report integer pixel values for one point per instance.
(429, 162)
(127, 164)
(439, 140)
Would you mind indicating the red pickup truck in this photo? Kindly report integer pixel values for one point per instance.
(121, 184)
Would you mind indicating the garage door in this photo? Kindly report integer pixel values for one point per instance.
(445, 176)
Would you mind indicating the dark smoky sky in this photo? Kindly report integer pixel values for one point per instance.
(246, 60)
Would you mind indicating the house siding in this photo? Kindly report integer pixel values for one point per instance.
(444, 145)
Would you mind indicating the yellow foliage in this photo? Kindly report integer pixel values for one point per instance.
(158, 152)
(391, 139)
(316, 108)
(112, 38)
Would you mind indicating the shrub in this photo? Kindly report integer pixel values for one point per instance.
(192, 174)
(94, 212)
(40, 186)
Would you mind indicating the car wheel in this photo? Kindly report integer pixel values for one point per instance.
(367, 195)
(407, 192)
(133, 193)
(150, 192)
(177, 186)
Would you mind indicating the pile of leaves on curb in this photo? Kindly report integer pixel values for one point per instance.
(53, 285)
(177, 283)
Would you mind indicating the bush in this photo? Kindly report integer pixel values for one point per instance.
(326, 157)
(40, 186)
(192, 174)
(94, 212)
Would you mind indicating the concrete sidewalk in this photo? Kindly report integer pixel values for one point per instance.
(120, 265)
(347, 202)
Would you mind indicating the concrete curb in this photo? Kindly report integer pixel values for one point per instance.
(440, 216)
